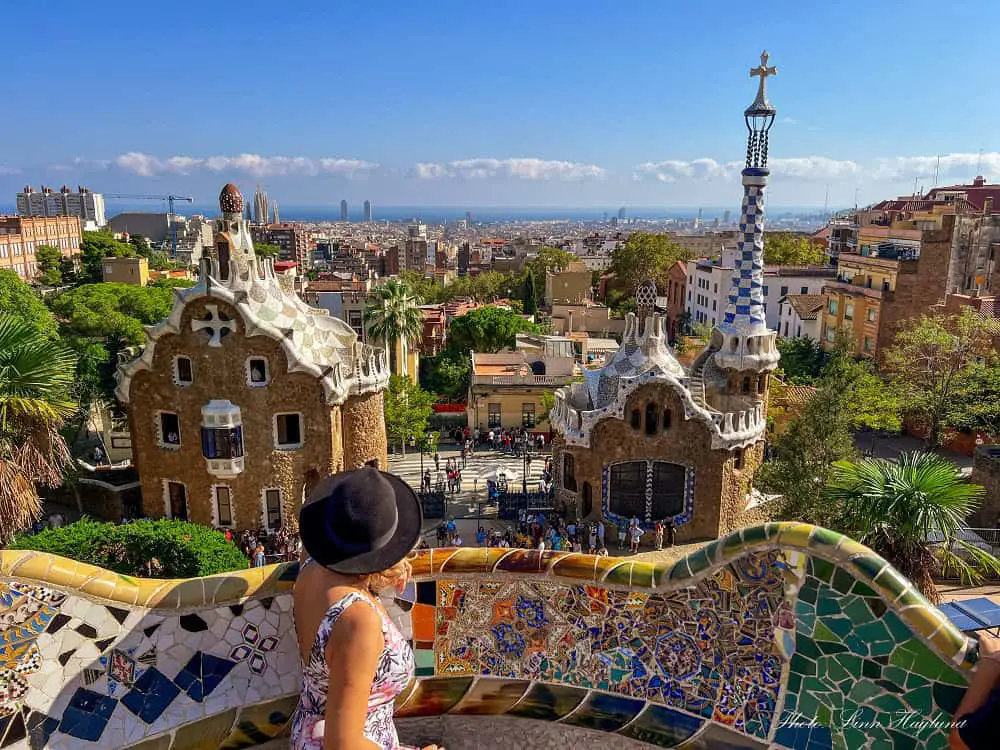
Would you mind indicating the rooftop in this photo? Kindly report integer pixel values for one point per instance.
(807, 306)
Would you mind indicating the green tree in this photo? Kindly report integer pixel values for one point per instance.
(168, 283)
(159, 260)
(848, 396)
(790, 249)
(802, 359)
(392, 314)
(486, 329)
(183, 549)
(49, 260)
(446, 375)
(19, 300)
(911, 512)
(36, 374)
(407, 409)
(94, 248)
(112, 311)
(140, 245)
(530, 299)
(266, 250)
(933, 367)
(979, 400)
(645, 255)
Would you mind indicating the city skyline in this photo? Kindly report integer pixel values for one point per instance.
(605, 115)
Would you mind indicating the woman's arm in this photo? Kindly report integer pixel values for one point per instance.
(984, 681)
(352, 654)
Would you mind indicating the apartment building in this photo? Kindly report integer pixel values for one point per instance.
(20, 236)
(133, 271)
(878, 290)
(292, 239)
(709, 282)
(569, 286)
(85, 205)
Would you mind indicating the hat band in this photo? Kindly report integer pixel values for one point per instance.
(350, 549)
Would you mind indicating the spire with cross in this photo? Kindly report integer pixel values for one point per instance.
(745, 341)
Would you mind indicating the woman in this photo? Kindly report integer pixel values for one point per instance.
(357, 530)
(977, 719)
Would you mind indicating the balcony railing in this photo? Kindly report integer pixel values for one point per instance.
(521, 379)
(849, 288)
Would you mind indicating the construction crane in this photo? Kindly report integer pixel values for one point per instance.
(170, 200)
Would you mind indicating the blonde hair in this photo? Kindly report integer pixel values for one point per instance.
(396, 576)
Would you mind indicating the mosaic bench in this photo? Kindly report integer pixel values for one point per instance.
(777, 636)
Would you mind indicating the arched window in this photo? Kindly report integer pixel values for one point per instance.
(649, 490)
(636, 419)
(569, 472)
(746, 384)
(666, 419)
(587, 501)
(761, 383)
(651, 419)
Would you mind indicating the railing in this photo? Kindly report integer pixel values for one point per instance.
(851, 288)
(521, 379)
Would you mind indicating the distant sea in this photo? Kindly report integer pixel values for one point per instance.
(442, 214)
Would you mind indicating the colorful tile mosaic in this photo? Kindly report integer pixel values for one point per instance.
(778, 636)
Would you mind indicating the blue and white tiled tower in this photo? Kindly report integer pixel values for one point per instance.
(742, 340)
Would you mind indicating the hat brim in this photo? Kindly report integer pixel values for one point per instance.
(409, 526)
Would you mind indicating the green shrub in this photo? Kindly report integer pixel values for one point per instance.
(184, 550)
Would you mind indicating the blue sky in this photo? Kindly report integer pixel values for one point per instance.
(543, 103)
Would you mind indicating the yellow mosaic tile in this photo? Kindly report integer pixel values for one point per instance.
(795, 535)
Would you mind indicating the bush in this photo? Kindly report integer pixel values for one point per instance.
(184, 550)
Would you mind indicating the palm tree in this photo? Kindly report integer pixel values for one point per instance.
(912, 512)
(36, 375)
(392, 313)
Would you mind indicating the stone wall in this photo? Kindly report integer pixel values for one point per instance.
(920, 284)
(364, 433)
(221, 372)
(770, 638)
(986, 472)
(719, 488)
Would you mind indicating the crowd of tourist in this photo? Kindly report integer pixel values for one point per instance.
(263, 547)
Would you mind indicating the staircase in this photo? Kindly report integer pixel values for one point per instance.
(697, 378)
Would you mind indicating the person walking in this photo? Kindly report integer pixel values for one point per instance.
(437, 461)
(671, 533)
(658, 531)
(636, 538)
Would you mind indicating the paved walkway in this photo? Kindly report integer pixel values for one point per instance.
(891, 447)
(469, 505)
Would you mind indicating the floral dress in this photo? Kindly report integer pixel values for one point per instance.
(394, 672)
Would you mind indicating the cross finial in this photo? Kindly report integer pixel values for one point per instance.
(763, 71)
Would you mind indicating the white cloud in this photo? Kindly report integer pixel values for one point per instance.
(811, 168)
(523, 168)
(961, 166)
(256, 165)
(672, 170)
(10, 170)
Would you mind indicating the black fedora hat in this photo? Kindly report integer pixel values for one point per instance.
(360, 521)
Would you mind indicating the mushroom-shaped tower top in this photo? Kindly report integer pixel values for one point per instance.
(230, 199)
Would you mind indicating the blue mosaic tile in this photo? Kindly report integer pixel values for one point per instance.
(151, 695)
(202, 674)
(87, 715)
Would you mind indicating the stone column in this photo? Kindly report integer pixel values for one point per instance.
(364, 435)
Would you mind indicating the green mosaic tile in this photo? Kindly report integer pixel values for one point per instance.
(888, 703)
(842, 580)
(871, 669)
(921, 699)
(862, 691)
(821, 569)
(910, 597)
(754, 535)
(802, 665)
(809, 594)
(839, 625)
(856, 645)
(947, 697)
(868, 566)
(827, 606)
(900, 630)
(822, 537)
(902, 741)
(828, 647)
(950, 676)
(890, 687)
(854, 739)
(858, 611)
(896, 675)
(877, 606)
(822, 633)
(863, 589)
(914, 681)
(872, 632)
(881, 649)
(808, 648)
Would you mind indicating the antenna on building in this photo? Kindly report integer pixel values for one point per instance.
(937, 170)
(979, 163)
(856, 198)
(826, 200)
